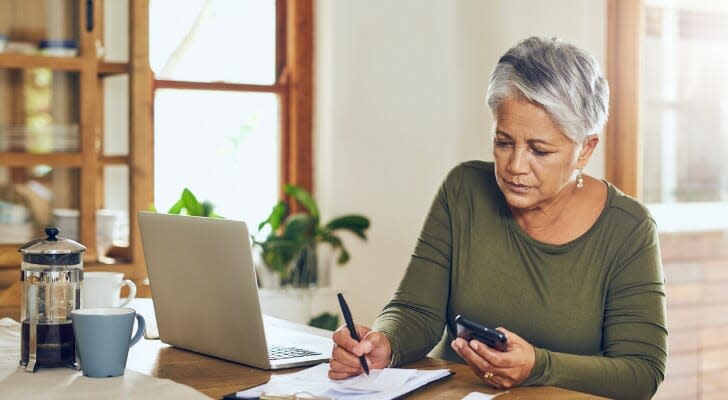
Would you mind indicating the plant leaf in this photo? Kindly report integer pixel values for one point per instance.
(337, 245)
(176, 208)
(325, 320)
(276, 216)
(343, 257)
(278, 253)
(299, 227)
(192, 206)
(207, 209)
(303, 197)
(215, 215)
(354, 223)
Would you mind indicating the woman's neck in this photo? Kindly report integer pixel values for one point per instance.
(545, 216)
(569, 215)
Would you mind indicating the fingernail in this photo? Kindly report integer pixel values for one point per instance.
(474, 345)
(455, 345)
(357, 351)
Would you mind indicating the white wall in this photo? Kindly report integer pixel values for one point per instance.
(385, 129)
(400, 100)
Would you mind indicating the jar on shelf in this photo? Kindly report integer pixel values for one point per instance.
(59, 48)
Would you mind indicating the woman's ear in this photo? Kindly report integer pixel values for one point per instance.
(587, 148)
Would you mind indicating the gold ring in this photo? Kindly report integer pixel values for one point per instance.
(488, 375)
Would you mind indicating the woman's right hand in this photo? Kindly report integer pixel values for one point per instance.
(345, 355)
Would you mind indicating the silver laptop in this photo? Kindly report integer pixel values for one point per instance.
(206, 296)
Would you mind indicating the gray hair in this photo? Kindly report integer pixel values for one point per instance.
(561, 77)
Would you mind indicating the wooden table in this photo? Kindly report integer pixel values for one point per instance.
(215, 377)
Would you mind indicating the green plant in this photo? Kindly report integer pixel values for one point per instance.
(325, 320)
(289, 246)
(189, 205)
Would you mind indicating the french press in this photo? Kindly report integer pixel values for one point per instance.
(51, 275)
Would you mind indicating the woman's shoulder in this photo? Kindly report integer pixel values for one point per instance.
(474, 170)
(627, 207)
(471, 179)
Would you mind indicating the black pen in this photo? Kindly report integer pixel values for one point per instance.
(352, 328)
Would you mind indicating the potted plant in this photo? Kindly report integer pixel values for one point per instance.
(288, 241)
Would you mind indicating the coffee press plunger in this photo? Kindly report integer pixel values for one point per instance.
(51, 275)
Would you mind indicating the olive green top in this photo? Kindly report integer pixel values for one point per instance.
(593, 308)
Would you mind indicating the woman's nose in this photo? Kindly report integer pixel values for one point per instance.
(518, 164)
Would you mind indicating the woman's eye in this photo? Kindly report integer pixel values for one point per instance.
(502, 143)
(539, 153)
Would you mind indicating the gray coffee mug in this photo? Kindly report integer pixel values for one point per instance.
(103, 339)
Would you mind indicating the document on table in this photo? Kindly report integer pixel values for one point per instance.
(380, 384)
(482, 396)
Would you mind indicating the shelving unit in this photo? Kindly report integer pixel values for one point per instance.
(35, 20)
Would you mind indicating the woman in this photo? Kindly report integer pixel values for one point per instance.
(565, 264)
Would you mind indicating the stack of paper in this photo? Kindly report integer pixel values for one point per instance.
(380, 384)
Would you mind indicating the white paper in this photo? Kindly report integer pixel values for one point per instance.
(378, 385)
(482, 396)
(380, 380)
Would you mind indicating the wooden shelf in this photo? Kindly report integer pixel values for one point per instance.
(83, 103)
(30, 159)
(23, 61)
(114, 160)
(113, 68)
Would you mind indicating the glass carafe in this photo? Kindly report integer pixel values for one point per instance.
(51, 275)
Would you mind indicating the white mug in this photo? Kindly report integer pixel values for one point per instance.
(102, 289)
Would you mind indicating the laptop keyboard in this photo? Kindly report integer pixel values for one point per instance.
(280, 352)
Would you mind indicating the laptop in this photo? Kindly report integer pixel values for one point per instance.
(205, 295)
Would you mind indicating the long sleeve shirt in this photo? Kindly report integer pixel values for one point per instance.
(593, 308)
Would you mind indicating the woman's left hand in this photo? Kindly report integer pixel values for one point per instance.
(501, 370)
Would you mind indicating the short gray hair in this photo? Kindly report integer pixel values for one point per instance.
(561, 77)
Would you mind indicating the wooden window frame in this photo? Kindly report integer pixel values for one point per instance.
(623, 139)
(294, 85)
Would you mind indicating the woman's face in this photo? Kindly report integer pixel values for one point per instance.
(534, 160)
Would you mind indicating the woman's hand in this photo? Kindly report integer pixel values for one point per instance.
(501, 370)
(345, 355)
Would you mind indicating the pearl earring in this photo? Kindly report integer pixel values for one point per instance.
(580, 178)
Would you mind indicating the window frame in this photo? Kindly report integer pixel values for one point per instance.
(625, 25)
(623, 143)
(294, 85)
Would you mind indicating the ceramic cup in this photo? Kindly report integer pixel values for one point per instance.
(102, 289)
(103, 339)
(106, 222)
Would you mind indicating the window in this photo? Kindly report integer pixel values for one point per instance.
(685, 114)
(232, 101)
(672, 134)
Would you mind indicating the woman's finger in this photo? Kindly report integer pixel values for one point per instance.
(341, 368)
(343, 356)
(343, 338)
(496, 381)
(338, 375)
(494, 357)
(476, 362)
